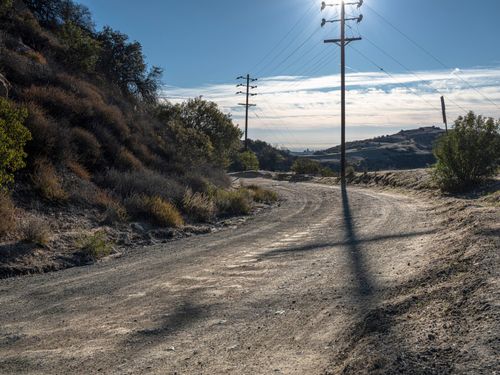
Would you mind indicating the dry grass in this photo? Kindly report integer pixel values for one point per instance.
(36, 231)
(154, 209)
(148, 183)
(198, 206)
(127, 161)
(36, 57)
(47, 182)
(233, 202)
(7, 214)
(262, 195)
(79, 170)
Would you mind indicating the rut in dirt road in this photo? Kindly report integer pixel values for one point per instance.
(278, 294)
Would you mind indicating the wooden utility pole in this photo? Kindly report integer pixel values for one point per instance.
(247, 103)
(445, 119)
(342, 43)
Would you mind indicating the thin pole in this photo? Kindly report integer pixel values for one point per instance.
(342, 74)
(246, 112)
(445, 119)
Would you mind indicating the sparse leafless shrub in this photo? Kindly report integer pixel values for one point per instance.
(46, 180)
(36, 231)
(79, 170)
(127, 161)
(44, 131)
(7, 214)
(79, 87)
(198, 206)
(23, 70)
(86, 146)
(60, 103)
(146, 182)
(262, 195)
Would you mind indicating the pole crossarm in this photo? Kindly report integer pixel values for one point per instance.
(339, 41)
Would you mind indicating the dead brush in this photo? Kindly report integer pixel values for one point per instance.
(7, 214)
(262, 195)
(46, 180)
(79, 170)
(198, 206)
(36, 231)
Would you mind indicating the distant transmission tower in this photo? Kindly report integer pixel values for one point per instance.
(342, 43)
(247, 104)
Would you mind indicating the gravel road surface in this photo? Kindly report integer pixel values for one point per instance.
(272, 296)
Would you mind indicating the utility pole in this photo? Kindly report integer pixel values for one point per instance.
(445, 119)
(247, 104)
(342, 43)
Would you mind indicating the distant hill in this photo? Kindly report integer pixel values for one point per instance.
(404, 150)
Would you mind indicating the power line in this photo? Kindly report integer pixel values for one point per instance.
(428, 53)
(408, 70)
(284, 38)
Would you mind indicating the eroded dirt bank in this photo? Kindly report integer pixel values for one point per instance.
(333, 281)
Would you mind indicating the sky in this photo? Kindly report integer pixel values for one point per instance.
(412, 52)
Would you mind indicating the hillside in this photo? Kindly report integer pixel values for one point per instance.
(93, 158)
(407, 149)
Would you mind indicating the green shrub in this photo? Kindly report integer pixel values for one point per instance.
(5, 7)
(7, 214)
(13, 138)
(350, 172)
(262, 195)
(233, 202)
(468, 154)
(36, 231)
(198, 206)
(247, 161)
(306, 166)
(96, 245)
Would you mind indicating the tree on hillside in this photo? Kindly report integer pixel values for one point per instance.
(246, 161)
(469, 153)
(122, 62)
(81, 49)
(13, 138)
(204, 118)
(54, 13)
(207, 118)
(306, 166)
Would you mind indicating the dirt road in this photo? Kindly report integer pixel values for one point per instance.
(281, 294)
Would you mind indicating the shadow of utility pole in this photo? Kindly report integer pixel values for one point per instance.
(364, 284)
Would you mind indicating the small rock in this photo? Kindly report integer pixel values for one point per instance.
(137, 227)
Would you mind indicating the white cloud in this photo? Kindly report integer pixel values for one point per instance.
(301, 111)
